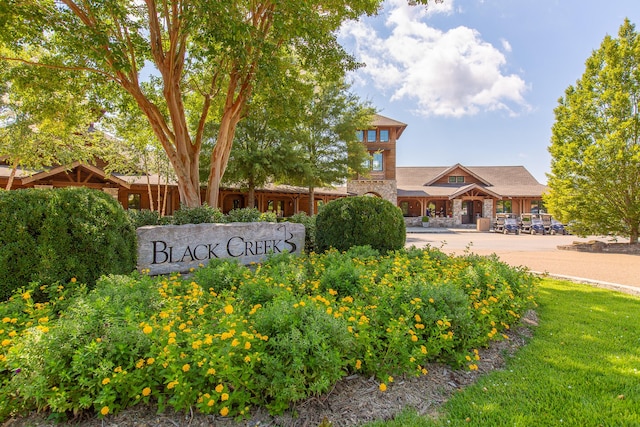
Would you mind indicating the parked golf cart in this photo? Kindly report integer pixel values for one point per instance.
(557, 227)
(546, 222)
(531, 223)
(511, 226)
(500, 221)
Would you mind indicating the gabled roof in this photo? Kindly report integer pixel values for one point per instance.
(382, 121)
(452, 169)
(497, 181)
(65, 168)
(478, 189)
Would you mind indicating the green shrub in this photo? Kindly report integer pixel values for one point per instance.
(359, 221)
(142, 217)
(309, 223)
(204, 214)
(250, 215)
(56, 235)
(305, 351)
(220, 274)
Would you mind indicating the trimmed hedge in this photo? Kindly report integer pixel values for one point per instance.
(360, 221)
(50, 236)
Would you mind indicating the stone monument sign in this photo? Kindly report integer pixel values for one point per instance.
(178, 248)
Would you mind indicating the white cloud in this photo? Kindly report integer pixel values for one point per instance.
(446, 73)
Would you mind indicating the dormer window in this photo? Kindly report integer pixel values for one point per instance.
(456, 179)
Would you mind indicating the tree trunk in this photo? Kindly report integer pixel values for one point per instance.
(251, 197)
(633, 237)
(14, 169)
(222, 149)
(312, 200)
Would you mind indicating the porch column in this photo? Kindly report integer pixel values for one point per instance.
(457, 211)
(487, 208)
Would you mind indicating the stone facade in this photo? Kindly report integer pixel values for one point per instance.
(487, 208)
(386, 189)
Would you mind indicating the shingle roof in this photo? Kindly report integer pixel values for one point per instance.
(504, 181)
(379, 120)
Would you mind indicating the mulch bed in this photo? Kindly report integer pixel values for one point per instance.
(353, 401)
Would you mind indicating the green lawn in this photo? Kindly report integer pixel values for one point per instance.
(582, 368)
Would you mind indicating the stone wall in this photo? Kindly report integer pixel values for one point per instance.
(386, 189)
(597, 246)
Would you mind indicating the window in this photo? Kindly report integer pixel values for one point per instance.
(537, 206)
(404, 207)
(133, 201)
(371, 135)
(456, 180)
(377, 162)
(360, 135)
(384, 135)
(503, 206)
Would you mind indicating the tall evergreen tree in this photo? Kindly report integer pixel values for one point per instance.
(595, 146)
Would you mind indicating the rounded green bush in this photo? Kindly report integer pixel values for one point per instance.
(203, 214)
(50, 236)
(360, 221)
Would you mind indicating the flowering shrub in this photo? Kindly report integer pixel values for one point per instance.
(230, 337)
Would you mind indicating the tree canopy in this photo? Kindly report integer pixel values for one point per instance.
(42, 124)
(595, 145)
(184, 63)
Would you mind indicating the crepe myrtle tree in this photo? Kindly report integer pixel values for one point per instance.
(595, 144)
(205, 56)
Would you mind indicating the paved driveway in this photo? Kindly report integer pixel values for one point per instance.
(540, 254)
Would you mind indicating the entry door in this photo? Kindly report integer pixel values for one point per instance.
(467, 212)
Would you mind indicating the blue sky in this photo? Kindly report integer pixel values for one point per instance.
(476, 81)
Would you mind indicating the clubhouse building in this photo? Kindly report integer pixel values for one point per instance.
(450, 195)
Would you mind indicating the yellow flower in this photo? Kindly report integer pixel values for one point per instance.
(146, 391)
(235, 342)
(150, 361)
(423, 349)
(383, 387)
(26, 295)
(417, 317)
(414, 338)
(106, 381)
(186, 367)
(224, 396)
(211, 371)
(224, 411)
(219, 388)
(147, 329)
(228, 309)
(247, 345)
(211, 402)
(358, 364)
(74, 280)
(390, 379)
(172, 384)
(104, 410)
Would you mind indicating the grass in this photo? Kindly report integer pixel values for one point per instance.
(581, 368)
